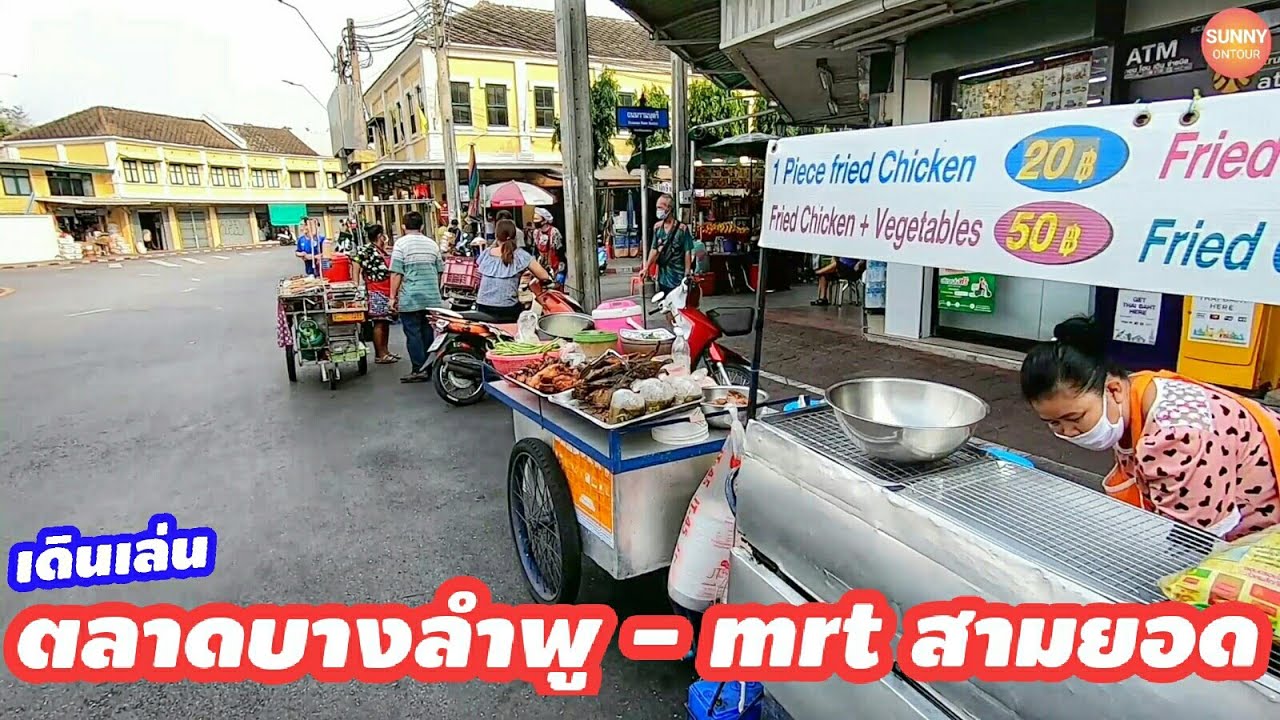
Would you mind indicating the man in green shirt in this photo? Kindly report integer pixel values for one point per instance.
(672, 247)
(415, 288)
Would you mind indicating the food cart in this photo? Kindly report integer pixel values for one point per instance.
(819, 515)
(579, 487)
(320, 322)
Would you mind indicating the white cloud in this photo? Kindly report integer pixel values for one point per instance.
(185, 57)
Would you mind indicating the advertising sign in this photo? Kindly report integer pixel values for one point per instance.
(1137, 317)
(1144, 197)
(966, 292)
(1222, 322)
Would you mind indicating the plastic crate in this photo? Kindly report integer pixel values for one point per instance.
(719, 701)
(461, 273)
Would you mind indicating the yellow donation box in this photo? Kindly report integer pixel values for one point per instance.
(1231, 343)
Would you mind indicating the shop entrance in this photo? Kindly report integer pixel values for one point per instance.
(152, 221)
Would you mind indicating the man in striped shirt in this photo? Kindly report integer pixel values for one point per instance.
(415, 287)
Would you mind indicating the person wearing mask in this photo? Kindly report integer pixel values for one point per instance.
(506, 215)
(1186, 450)
(501, 268)
(374, 262)
(672, 253)
(310, 247)
(415, 288)
(548, 243)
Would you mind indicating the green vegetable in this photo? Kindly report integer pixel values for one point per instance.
(508, 348)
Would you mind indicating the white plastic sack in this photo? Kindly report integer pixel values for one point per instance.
(699, 571)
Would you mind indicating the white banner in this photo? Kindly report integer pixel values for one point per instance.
(1125, 196)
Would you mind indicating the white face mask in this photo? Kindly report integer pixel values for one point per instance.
(662, 214)
(1104, 435)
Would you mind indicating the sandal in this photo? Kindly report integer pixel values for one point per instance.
(820, 303)
(386, 360)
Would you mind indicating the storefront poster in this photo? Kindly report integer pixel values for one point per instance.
(1119, 196)
(966, 292)
(1137, 317)
(1167, 52)
(1223, 322)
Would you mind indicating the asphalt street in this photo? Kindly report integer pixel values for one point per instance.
(157, 386)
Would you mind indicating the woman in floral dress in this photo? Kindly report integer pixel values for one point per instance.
(374, 260)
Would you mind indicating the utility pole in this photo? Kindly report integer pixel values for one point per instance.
(577, 148)
(681, 155)
(353, 56)
(444, 103)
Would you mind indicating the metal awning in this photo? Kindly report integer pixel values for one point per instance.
(399, 166)
(691, 30)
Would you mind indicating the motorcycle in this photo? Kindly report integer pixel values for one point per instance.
(456, 358)
(460, 282)
(706, 328)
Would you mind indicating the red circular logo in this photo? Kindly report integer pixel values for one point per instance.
(1236, 43)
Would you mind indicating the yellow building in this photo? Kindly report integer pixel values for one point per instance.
(504, 88)
(193, 183)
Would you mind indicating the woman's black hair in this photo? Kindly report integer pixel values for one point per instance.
(1077, 359)
(373, 231)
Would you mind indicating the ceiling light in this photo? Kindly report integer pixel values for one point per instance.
(993, 71)
(911, 23)
(810, 30)
(1059, 56)
(744, 160)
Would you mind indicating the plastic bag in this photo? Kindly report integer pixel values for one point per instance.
(1247, 571)
(572, 355)
(658, 394)
(686, 389)
(625, 405)
(699, 570)
(528, 327)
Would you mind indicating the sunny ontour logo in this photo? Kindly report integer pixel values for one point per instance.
(1236, 43)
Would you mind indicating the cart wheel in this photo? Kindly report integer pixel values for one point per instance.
(544, 527)
(362, 366)
(291, 364)
(333, 381)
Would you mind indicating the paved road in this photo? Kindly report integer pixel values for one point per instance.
(158, 387)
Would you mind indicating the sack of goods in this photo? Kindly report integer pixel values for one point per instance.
(69, 249)
(699, 572)
(1246, 571)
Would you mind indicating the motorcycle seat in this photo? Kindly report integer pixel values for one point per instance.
(479, 316)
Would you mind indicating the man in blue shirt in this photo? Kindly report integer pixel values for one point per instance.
(310, 246)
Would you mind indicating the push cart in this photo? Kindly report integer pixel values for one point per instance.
(320, 322)
(574, 488)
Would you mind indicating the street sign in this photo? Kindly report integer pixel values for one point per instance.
(642, 119)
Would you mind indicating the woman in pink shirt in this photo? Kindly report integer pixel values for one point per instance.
(1187, 450)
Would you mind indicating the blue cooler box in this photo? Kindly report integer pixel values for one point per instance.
(705, 705)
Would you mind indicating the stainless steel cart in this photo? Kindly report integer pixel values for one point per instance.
(323, 325)
(574, 489)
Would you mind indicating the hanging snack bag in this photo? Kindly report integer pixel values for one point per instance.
(1246, 571)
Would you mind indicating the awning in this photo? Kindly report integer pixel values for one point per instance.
(281, 215)
(91, 201)
(691, 30)
(395, 166)
(50, 165)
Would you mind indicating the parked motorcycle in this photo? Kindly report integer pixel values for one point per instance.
(456, 358)
(722, 363)
(460, 282)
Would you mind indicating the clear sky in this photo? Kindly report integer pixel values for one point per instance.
(188, 57)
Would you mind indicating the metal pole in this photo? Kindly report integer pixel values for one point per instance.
(644, 234)
(577, 148)
(444, 108)
(680, 158)
(757, 351)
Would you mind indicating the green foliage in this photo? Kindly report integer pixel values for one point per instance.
(13, 119)
(709, 103)
(604, 120)
(655, 96)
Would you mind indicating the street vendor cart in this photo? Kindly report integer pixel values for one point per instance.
(820, 509)
(319, 322)
(577, 487)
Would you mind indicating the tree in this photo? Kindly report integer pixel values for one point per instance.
(655, 96)
(13, 119)
(709, 103)
(604, 120)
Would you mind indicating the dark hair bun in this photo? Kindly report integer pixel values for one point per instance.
(1081, 334)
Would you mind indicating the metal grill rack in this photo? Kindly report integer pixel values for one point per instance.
(820, 431)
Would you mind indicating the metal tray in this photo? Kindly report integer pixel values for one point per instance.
(524, 387)
(668, 412)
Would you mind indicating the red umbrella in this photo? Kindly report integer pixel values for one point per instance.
(514, 194)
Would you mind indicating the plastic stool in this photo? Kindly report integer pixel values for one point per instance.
(852, 288)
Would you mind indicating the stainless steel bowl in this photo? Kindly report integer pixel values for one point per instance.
(907, 421)
(563, 326)
(711, 394)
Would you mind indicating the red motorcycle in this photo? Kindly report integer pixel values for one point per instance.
(723, 364)
(456, 357)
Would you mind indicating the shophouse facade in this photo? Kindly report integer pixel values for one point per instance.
(191, 182)
(504, 102)
(965, 59)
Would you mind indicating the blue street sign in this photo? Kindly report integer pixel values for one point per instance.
(643, 119)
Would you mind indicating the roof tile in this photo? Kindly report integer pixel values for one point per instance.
(494, 25)
(103, 121)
